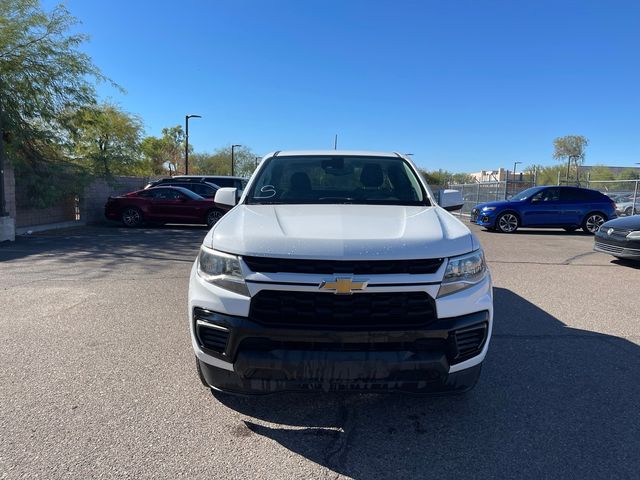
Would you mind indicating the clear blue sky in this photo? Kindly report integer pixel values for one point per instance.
(463, 85)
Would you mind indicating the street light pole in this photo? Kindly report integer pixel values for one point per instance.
(186, 142)
(233, 147)
(514, 168)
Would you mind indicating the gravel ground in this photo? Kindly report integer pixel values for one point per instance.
(98, 378)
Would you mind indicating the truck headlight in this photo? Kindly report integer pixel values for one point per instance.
(463, 272)
(222, 269)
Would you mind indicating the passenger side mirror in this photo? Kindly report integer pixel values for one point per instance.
(226, 198)
(451, 200)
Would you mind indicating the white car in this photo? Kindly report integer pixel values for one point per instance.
(626, 208)
(337, 270)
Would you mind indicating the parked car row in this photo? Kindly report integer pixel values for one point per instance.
(569, 208)
(182, 199)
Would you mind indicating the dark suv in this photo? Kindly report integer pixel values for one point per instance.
(204, 189)
(216, 180)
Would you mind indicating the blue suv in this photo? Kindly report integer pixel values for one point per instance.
(564, 207)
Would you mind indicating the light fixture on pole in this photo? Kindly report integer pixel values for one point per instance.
(186, 142)
(233, 147)
(515, 164)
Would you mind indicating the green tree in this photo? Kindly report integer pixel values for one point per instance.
(545, 175)
(219, 162)
(570, 149)
(43, 74)
(600, 172)
(167, 148)
(106, 140)
(436, 177)
(629, 175)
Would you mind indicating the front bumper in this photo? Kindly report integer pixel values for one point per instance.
(485, 219)
(268, 360)
(243, 356)
(616, 246)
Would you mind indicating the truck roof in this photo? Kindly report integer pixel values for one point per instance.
(342, 153)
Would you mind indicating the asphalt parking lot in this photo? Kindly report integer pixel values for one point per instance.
(97, 374)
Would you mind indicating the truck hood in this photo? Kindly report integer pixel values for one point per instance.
(341, 232)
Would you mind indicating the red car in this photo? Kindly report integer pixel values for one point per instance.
(162, 205)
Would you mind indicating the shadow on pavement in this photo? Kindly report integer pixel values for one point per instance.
(544, 232)
(110, 243)
(552, 402)
(627, 263)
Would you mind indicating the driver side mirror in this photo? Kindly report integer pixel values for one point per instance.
(451, 200)
(226, 198)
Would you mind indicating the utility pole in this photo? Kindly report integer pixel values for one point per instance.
(335, 142)
(186, 142)
(233, 147)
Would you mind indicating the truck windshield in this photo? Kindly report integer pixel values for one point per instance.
(337, 180)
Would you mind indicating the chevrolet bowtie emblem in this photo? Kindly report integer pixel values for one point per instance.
(343, 285)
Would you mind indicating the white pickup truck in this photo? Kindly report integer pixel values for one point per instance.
(337, 270)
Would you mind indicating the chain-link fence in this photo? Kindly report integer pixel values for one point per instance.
(626, 194)
(475, 193)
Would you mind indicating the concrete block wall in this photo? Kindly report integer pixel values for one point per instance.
(64, 211)
(88, 208)
(97, 192)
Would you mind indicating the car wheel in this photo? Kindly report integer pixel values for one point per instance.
(570, 229)
(592, 222)
(628, 211)
(213, 216)
(507, 222)
(131, 217)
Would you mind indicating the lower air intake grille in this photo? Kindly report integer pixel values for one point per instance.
(469, 341)
(360, 311)
(607, 247)
(212, 338)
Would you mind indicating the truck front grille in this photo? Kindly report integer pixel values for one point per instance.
(360, 311)
(368, 267)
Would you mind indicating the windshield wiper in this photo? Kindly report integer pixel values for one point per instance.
(336, 199)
